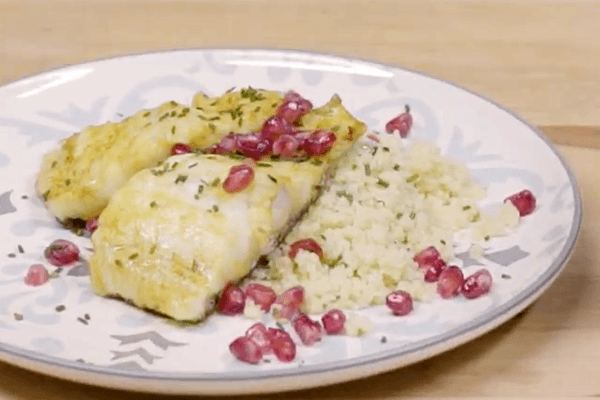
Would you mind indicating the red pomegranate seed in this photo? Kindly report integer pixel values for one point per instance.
(275, 127)
(309, 331)
(525, 202)
(291, 300)
(181, 148)
(262, 295)
(239, 178)
(246, 350)
(477, 284)
(226, 145)
(36, 275)
(282, 344)
(402, 123)
(433, 271)
(253, 145)
(293, 107)
(286, 146)
(91, 225)
(305, 244)
(232, 300)
(319, 143)
(450, 282)
(373, 138)
(260, 335)
(427, 256)
(399, 302)
(61, 252)
(334, 321)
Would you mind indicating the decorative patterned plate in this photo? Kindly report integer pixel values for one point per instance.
(63, 329)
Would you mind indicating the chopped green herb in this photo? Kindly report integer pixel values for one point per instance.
(215, 208)
(181, 179)
(60, 308)
(212, 127)
(476, 217)
(343, 193)
(18, 317)
(173, 113)
(368, 169)
(83, 321)
(399, 215)
(68, 182)
(133, 256)
(385, 149)
(173, 103)
(215, 182)
(118, 263)
(147, 114)
(173, 129)
(192, 165)
(412, 215)
(374, 151)
(162, 117)
(197, 196)
(257, 109)
(230, 90)
(20, 248)
(200, 189)
(214, 103)
(412, 178)
(272, 178)
(382, 183)
(261, 164)
(54, 163)
(148, 124)
(383, 339)
(486, 238)
(443, 242)
(251, 94)
(465, 208)
(240, 122)
(316, 162)
(335, 128)
(215, 118)
(354, 167)
(505, 276)
(55, 274)
(152, 249)
(396, 167)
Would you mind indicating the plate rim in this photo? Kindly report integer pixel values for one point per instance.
(385, 360)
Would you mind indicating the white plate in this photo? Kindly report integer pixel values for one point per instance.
(122, 347)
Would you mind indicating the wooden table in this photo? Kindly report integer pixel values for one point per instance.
(540, 58)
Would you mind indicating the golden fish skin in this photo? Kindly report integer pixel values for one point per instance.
(77, 179)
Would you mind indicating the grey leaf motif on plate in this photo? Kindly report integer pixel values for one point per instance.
(155, 338)
(78, 116)
(391, 87)
(311, 77)
(81, 269)
(554, 233)
(553, 247)
(219, 67)
(532, 179)
(128, 366)
(193, 69)
(467, 153)
(141, 352)
(278, 74)
(507, 256)
(558, 203)
(467, 260)
(37, 133)
(6, 207)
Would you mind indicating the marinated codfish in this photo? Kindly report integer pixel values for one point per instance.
(172, 237)
(77, 179)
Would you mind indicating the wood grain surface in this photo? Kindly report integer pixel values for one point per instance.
(539, 58)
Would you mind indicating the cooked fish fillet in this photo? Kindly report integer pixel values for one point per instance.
(171, 237)
(77, 179)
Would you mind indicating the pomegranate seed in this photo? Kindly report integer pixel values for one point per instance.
(262, 295)
(333, 321)
(309, 331)
(61, 252)
(293, 107)
(319, 143)
(282, 344)
(427, 256)
(239, 178)
(91, 225)
(275, 127)
(232, 300)
(525, 202)
(226, 145)
(433, 271)
(286, 146)
(373, 138)
(291, 300)
(260, 335)
(402, 123)
(305, 244)
(477, 284)
(253, 146)
(181, 148)
(36, 275)
(450, 282)
(399, 302)
(246, 350)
